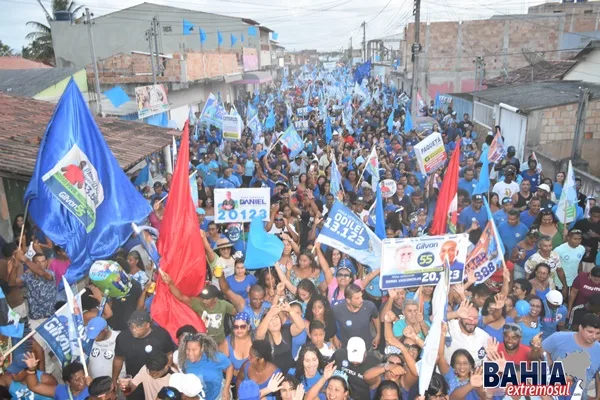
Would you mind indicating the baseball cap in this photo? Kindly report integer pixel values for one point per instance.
(200, 211)
(511, 149)
(209, 292)
(95, 326)
(157, 184)
(477, 197)
(168, 392)
(249, 390)
(188, 384)
(506, 200)
(356, 349)
(544, 187)
(139, 317)
(554, 297)
(512, 327)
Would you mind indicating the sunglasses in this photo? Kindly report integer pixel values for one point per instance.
(512, 328)
(243, 326)
(343, 275)
(166, 393)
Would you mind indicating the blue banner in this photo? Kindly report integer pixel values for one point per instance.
(292, 141)
(264, 249)
(343, 230)
(213, 112)
(78, 195)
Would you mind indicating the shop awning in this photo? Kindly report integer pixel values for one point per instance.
(256, 77)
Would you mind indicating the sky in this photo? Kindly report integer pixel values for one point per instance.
(324, 25)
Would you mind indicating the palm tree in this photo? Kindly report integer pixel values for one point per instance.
(5, 50)
(41, 48)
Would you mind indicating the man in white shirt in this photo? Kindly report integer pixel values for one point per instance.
(508, 186)
(297, 168)
(103, 351)
(463, 333)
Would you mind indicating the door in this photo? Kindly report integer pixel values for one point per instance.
(514, 129)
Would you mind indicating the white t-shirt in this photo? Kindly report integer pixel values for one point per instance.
(276, 231)
(474, 343)
(503, 189)
(102, 355)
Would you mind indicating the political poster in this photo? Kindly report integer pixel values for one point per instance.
(55, 332)
(231, 127)
(151, 100)
(344, 230)
(329, 66)
(213, 112)
(420, 261)
(496, 151)
(301, 125)
(484, 259)
(302, 111)
(430, 153)
(388, 188)
(241, 205)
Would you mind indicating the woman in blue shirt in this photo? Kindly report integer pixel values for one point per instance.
(531, 323)
(464, 382)
(76, 387)
(240, 282)
(199, 355)
(309, 367)
(493, 328)
(239, 341)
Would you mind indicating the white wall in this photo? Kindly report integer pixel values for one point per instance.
(586, 70)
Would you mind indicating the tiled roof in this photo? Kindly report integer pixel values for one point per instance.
(541, 71)
(29, 82)
(23, 122)
(20, 63)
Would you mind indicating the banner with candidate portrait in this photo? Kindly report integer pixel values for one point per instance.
(213, 112)
(431, 153)
(412, 262)
(484, 259)
(241, 205)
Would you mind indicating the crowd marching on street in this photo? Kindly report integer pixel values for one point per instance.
(340, 248)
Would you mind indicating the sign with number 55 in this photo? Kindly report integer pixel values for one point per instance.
(241, 205)
(420, 261)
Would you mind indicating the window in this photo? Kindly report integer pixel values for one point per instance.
(588, 12)
(483, 114)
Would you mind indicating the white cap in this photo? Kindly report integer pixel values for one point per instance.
(335, 133)
(356, 349)
(188, 384)
(490, 133)
(365, 185)
(554, 297)
(544, 187)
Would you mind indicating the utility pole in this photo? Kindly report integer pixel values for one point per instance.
(149, 34)
(479, 72)
(416, 48)
(584, 98)
(351, 56)
(88, 21)
(155, 34)
(364, 26)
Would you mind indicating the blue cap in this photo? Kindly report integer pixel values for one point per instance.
(347, 264)
(249, 390)
(200, 211)
(95, 326)
(390, 208)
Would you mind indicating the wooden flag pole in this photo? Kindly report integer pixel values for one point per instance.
(24, 222)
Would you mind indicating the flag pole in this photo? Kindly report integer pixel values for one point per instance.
(363, 171)
(82, 356)
(24, 222)
(30, 334)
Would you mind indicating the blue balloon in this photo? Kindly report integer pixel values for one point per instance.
(522, 308)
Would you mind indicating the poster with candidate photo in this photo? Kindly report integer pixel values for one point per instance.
(412, 262)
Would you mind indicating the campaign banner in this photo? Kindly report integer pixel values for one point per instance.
(430, 153)
(496, 150)
(213, 112)
(151, 100)
(484, 259)
(242, 205)
(388, 188)
(329, 66)
(411, 262)
(231, 127)
(55, 332)
(343, 230)
(302, 111)
(301, 125)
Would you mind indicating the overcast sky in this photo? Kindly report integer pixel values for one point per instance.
(301, 24)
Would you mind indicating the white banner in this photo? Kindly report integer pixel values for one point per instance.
(420, 261)
(430, 153)
(231, 128)
(241, 205)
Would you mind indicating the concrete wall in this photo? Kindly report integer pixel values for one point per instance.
(586, 70)
(449, 48)
(125, 31)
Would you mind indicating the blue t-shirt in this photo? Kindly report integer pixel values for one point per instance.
(19, 390)
(240, 288)
(562, 344)
(500, 216)
(466, 217)
(533, 178)
(467, 186)
(552, 318)
(454, 383)
(228, 183)
(527, 219)
(210, 177)
(511, 235)
(62, 393)
(210, 373)
(309, 382)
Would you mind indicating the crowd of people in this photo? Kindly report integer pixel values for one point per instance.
(311, 325)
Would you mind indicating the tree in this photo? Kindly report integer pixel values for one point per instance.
(5, 50)
(40, 48)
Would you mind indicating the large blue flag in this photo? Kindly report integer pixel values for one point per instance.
(362, 71)
(264, 249)
(345, 231)
(336, 179)
(483, 184)
(408, 123)
(78, 195)
(270, 122)
(390, 122)
(328, 131)
(292, 141)
(379, 215)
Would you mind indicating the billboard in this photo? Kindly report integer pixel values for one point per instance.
(250, 59)
(151, 100)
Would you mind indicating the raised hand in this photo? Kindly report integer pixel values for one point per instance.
(329, 370)
(492, 346)
(30, 360)
(464, 309)
(499, 300)
(536, 342)
(299, 393)
(274, 383)
(477, 378)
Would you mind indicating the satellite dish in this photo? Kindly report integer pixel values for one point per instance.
(532, 57)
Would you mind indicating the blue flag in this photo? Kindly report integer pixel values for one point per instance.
(408, 124)
(270, 122)
(10, 324)
(379, 215)
(202, 36)
(117, 96)
(328, 131)
(219, 38)
(143, 176)
(78, 195)
(233, 39)
(390, 122)
(483, 184)
(438, 104)
(188, 27)
(264, 249)
(336, 179)
(362, 71)
(344, 230)
(275, 35)
(252, 31)
(292, 141)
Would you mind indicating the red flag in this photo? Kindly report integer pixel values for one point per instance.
(182, 254)
(445, 216)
